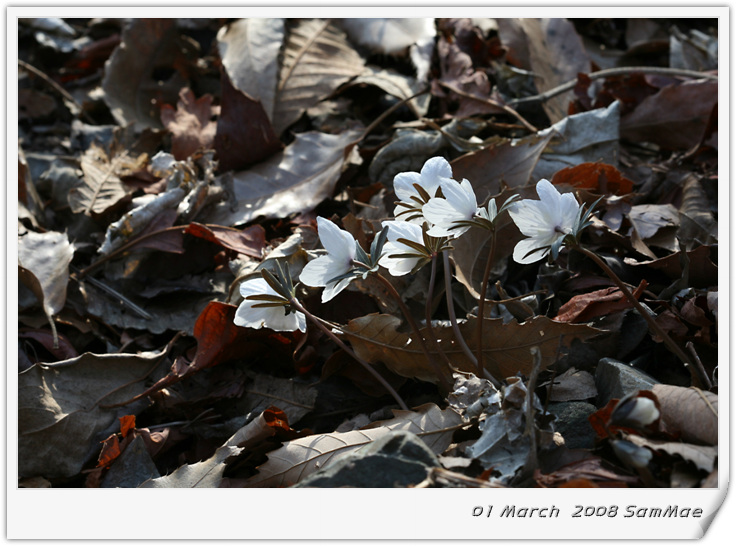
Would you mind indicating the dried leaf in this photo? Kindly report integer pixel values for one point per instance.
(674, 118)
(505, 162)
(43, 259)
(697, 224)
(506, 346)
(704, 457)
(101, 188)
(295, 180)
(190, 124)
(249, 49)
(690, 412)
(299, 458)
(586, 307)
(572, 385)
(132, 91)
(598, 178)
(249, 241)
(244, 133)
(556, 56)
(203, 474)
(60, 415)
(317, 59)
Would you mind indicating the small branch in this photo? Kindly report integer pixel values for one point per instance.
(451, 311)
(491, 102)
(701, 370)
(56, 87)
(392, 109)
(298, 306)
(621, 71)
(655, 328)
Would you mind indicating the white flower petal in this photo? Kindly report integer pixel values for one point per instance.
(333, 289)
(404, 185)
(531, 218)
(320, 271)
(433, 170)
(339, 243)
(523, 248)
(275, 318)
(256, 286)
(403, 230)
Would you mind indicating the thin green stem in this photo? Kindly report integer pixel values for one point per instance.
(655, 328)
(298, 306)
(451, 312)
(482, 299)
(441, 374)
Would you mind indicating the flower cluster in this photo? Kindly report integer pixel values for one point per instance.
(432, 210)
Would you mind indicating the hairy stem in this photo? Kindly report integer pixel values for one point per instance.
(655, 328)
(482, 299)
(428, 314)
(298, 306)
(451, 311)
(441, 374)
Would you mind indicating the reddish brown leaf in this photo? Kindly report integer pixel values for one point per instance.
(65, 349)
(596, 177)
(594, 471)
(127, 423)
(190, 124)
(249, 241)
(110, 451)
(244, 133)
(585, 307)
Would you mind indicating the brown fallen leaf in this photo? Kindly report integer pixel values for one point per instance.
(190, 123)
(597, 177)
(209, 473)
(244, 135)
(376, 338)
(586, 307)
(131, 92)
(299, 458)
(317, 59)
(689, 412)
(101, 187)
(294, 180)
(61, 417)
(249, 241)
(675, 117)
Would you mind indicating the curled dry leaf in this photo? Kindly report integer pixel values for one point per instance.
(704, 457)
(299, 458)
(690, 412)
(209, 473)
(586, 307)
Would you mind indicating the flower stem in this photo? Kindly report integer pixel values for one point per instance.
(298, 306)
(482, 299)
(451, 311)
(441, 374)
(698, 381)
(428, 314)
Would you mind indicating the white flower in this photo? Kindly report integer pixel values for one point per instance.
(255, 313)
(398, 257)
(323, 271)
(545, 222)
(450, 216)
(433, 173)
